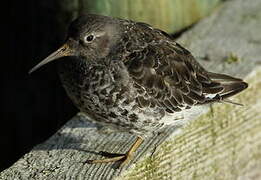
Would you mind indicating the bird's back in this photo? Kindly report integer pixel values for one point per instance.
(167, 76)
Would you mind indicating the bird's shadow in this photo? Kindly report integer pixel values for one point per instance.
(81, 136)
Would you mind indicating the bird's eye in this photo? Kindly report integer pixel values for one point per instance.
(89, 38)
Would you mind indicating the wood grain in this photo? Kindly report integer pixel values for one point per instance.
(223, 143)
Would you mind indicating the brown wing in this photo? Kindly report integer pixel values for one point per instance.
(166, 75)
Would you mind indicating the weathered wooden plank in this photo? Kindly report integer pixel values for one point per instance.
(222, 144)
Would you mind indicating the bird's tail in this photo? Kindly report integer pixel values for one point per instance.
(227, 86)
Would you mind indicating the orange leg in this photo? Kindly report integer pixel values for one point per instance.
(125, 158)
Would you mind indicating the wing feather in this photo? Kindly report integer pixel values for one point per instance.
(167, 76)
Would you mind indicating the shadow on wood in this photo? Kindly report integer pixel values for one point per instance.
(223, 143)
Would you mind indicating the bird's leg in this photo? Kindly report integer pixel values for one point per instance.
(129, 154)
(125, 158)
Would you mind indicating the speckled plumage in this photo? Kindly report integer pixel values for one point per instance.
(144, 78)
(134, 78)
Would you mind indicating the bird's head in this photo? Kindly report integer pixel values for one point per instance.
(90, 37)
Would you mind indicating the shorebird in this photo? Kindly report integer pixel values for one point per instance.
(134, 78)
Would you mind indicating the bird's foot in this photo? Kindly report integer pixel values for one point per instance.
(112, 157)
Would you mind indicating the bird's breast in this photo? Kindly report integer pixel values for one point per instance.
(95, 87)
(108, 96)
